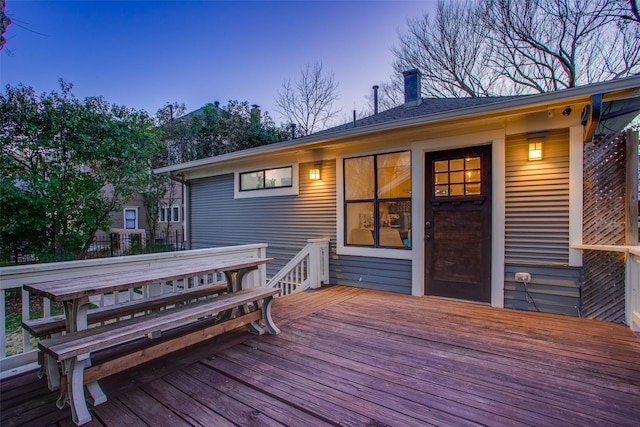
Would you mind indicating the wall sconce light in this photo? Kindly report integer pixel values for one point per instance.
(314, 174)
(535, 151)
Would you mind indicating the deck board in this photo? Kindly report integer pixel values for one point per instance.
(355, 357)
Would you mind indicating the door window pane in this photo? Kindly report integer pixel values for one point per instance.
(441, 166)
(456, 165)
(457, 177)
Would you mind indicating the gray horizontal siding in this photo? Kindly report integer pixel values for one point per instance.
(285, 223)
(553, 289)
(537, 201)
(537, 226)
(382, 274)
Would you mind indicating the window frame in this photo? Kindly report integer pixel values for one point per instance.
(124, 217)
(357, 249)
(291, 190)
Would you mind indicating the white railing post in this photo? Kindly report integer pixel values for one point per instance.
(318, 263)
(262, 269)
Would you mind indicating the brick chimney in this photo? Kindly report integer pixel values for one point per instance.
(412, 88)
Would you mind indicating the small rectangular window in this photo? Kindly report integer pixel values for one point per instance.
(130, 219)
(267, 178)
(175, 211)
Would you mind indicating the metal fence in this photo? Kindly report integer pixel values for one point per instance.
(114, 245)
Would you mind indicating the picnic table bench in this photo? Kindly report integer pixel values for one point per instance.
(183, 323)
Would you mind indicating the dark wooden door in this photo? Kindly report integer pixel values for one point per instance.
(458, 224)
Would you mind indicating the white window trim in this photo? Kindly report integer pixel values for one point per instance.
(124, 217)
(341, 248)
(168, 213)
(171, 209)
(267, 192)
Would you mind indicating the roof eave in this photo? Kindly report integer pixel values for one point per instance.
(517, 105)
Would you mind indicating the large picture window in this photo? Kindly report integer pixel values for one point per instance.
(266, 178)
(377, 197)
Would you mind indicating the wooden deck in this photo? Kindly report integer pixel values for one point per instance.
(353, 357)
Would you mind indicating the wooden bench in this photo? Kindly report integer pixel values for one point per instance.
(45, 327)
(199, 320)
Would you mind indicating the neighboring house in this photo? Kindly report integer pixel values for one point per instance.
(440, 197)
(131, 220)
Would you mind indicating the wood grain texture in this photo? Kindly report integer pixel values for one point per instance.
(359, 357)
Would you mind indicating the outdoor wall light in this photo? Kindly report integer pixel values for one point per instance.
(535, 151)
(314, 174)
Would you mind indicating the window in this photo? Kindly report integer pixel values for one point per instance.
(130, 218)
(457, 177)
(169, 214)
(266, 178)
(377, 197)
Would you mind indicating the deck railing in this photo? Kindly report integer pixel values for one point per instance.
(308, 269)
(14, 277)
(632, 279)
(633, 288)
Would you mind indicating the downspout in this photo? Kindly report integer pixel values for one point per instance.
(593, 115)
(186, 203)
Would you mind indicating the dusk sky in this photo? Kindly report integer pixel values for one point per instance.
(144, 54)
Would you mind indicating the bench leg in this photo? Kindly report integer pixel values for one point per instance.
(74, 395)
(95, 391)
(52, 371)
(266, 317)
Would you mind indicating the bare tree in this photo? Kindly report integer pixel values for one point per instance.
(546, 45)
(309, 102)
(389, 95)
(501, 47)
(4, 23)
(629, 9)
(449, 49)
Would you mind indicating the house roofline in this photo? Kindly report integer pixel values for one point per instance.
(613, 89)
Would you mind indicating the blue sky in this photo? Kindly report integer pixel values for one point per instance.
(143, 54)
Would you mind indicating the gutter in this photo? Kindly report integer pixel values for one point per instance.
(523, 103)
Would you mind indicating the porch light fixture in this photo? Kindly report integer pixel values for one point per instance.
(314, 174)
(535, 151)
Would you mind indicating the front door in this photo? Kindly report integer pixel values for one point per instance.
(458, 224)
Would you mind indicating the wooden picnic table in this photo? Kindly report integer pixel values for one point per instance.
(74, 293)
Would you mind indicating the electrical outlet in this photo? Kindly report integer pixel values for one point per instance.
(523, 277)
